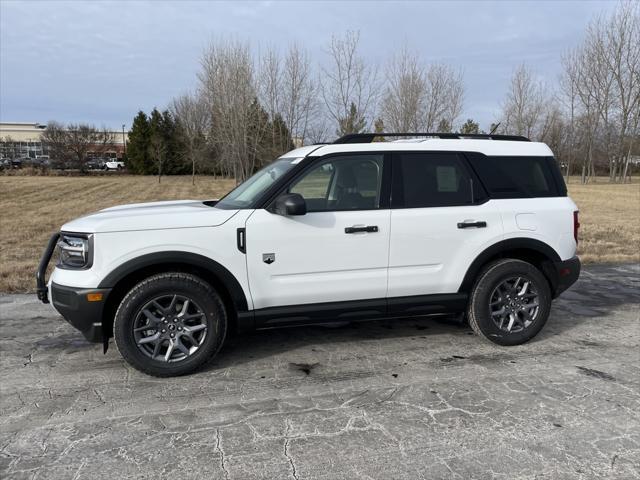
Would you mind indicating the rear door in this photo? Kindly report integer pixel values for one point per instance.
(338, 251)
(441, 220)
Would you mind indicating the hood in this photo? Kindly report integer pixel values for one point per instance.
(150, 216)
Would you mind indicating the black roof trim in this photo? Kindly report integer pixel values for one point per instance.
(368, 137)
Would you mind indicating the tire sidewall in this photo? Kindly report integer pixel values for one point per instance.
(167, 284)
(493, 276)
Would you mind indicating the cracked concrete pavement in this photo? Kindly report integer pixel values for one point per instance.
(394, 399)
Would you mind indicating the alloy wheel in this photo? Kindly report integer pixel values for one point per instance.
(514, 304)
(170, 328)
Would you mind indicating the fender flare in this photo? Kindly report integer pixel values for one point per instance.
(178, 257)
(497, 249)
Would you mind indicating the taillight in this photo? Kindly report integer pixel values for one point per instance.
(576, 225)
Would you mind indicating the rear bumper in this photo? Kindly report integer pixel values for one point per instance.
(567, 273)
(82, 314)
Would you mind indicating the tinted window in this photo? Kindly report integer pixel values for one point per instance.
(342, 183)
(432, 180)
(518, 177)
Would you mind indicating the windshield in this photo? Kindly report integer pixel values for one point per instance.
(251, 189)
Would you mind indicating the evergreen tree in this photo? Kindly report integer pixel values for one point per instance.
(175, 164)
(470, 127)
(444, 126)
(282, 140)
(157, 148)
(378, 127)
(164, 146)
(138, 160)
(354, 122)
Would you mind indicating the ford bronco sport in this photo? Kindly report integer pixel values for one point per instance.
(354, 230)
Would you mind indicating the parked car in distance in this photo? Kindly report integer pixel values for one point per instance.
(41, 161)
(96, 164)
(114, 165)
(354, 230)
(19, 162)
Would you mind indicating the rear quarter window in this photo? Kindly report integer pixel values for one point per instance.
(518, 177)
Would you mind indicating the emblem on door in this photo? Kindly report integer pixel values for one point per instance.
(268, 258)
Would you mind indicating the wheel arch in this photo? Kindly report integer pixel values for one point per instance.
(125, 276)
(530, 250)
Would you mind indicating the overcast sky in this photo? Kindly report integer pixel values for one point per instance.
(101, 62)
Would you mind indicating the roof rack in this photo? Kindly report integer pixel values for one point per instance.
(368, 137)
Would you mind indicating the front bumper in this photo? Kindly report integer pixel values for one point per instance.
(75, 308)
(71, 302)
(566, 273)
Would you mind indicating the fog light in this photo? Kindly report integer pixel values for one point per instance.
(94, 297)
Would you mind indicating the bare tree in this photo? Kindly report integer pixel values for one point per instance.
(582, 75)
(158, 152)
(287, 90)
(404, 101)
(348, 81)
(601, 81)
(193, 118)
(73, 144)
(568, 96)
(523, 108)
(445, 94)
(227, 80)
(455, 97)
(620, 51)
(299, 93)
(270, 80)
(419, 98)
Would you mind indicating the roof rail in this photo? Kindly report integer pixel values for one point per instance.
(368, 137)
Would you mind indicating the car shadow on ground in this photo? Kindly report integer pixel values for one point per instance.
(307, 340)
(600, 290)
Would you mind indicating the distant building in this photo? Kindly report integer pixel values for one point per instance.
(22, 140)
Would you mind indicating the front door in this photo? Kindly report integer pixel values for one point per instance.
(338, 251)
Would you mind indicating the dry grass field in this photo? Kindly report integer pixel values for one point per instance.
(31, 208)
(609, 221)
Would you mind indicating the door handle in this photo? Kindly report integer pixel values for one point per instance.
(369, 229)
(472, 224)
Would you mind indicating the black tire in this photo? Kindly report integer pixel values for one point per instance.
(486, 286)
(186, 286)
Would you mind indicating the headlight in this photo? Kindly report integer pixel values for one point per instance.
(75, 251)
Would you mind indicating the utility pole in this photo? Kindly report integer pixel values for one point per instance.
(124, 141)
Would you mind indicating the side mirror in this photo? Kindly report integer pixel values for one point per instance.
(290, 204)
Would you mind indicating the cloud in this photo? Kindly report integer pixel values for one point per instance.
(103, 61)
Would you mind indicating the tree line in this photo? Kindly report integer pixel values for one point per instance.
(590, 117)
(247, 109)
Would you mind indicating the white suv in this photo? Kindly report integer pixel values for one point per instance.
(353, 230)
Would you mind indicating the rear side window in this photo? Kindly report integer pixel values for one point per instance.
(519, 177)
(433, 180)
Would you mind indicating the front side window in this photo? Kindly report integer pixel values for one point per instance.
(342, 183)
(433, 180)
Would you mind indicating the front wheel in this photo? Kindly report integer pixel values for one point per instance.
(170, 324)
(510, 302)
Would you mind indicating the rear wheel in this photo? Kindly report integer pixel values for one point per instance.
(510, 302)
(170, 324)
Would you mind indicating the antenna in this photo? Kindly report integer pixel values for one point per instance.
(493, 130)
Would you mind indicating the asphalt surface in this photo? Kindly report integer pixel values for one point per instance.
(403, 399)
